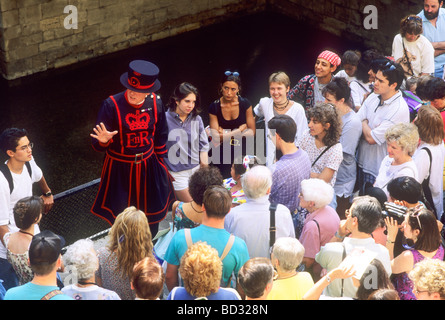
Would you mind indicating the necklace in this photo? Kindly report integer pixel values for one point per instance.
(21, 231)
(276, 106)
(191, 203)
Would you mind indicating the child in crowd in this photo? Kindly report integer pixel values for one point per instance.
(350, 61)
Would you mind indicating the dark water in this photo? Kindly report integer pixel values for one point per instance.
(59, 108)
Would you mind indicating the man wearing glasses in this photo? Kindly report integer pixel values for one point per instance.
(17, 176)
(354, 236)
(433, 18)
(381, 110)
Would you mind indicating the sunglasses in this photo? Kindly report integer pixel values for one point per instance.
(414, 18)
(390, 66)
(230, 73)
(415, 212)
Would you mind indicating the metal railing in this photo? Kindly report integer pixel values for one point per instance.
(71, 215)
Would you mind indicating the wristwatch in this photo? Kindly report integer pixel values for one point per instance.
(48, 194)
(328, 278)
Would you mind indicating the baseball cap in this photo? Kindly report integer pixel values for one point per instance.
(45, 247)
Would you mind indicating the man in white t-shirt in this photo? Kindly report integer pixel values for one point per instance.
(380, 111)
(17, 176)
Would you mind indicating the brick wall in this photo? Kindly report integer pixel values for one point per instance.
(345, 18)
(33, 37)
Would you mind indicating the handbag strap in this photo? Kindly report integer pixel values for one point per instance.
(318, 226)
(407, 58)
(343, 258)
(319, 156)
(272, 228)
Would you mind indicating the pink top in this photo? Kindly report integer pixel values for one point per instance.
(328, 221)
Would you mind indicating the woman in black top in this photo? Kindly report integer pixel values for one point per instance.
(231, 121)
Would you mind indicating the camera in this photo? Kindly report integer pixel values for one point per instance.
(397, 212)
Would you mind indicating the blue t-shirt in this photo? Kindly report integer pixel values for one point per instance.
(217, 238)
(31, 291)
(435, 34)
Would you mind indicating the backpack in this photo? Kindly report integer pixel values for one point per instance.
(7, 173)
(414, 103)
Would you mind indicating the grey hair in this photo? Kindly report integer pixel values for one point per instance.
(256, 181)
(82, 257)
(289, 252)
(317, 191)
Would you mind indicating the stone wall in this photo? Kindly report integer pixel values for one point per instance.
(346, 18)
(35, 35)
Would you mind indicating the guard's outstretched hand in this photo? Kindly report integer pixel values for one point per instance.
(102, 134)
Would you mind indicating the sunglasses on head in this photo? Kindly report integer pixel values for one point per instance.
(230, 73)
(414, 18)
(390, 66)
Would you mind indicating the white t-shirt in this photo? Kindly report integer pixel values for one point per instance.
(343, 74)
(296, 111)
(358, 91)
(389, 172)
(22, 189)
(420, 53)
(422, 161)
(380, 118)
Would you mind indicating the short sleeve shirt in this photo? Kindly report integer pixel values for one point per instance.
(330, 159)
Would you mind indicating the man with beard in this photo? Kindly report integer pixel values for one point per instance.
(433, 16)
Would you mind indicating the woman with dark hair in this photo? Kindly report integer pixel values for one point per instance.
(231, 121)
(189, 214)
(27, 213)
(187, 144)
(420, 227)
(322, 142)
(338, 93)
(413, 50)
(430, 156)
(380, 281)
(406, 192)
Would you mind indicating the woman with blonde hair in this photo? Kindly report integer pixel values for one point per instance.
(428, 277)
(129, 242)
(401, 140)
(278, 103)
(430, 156)
(201, 271)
